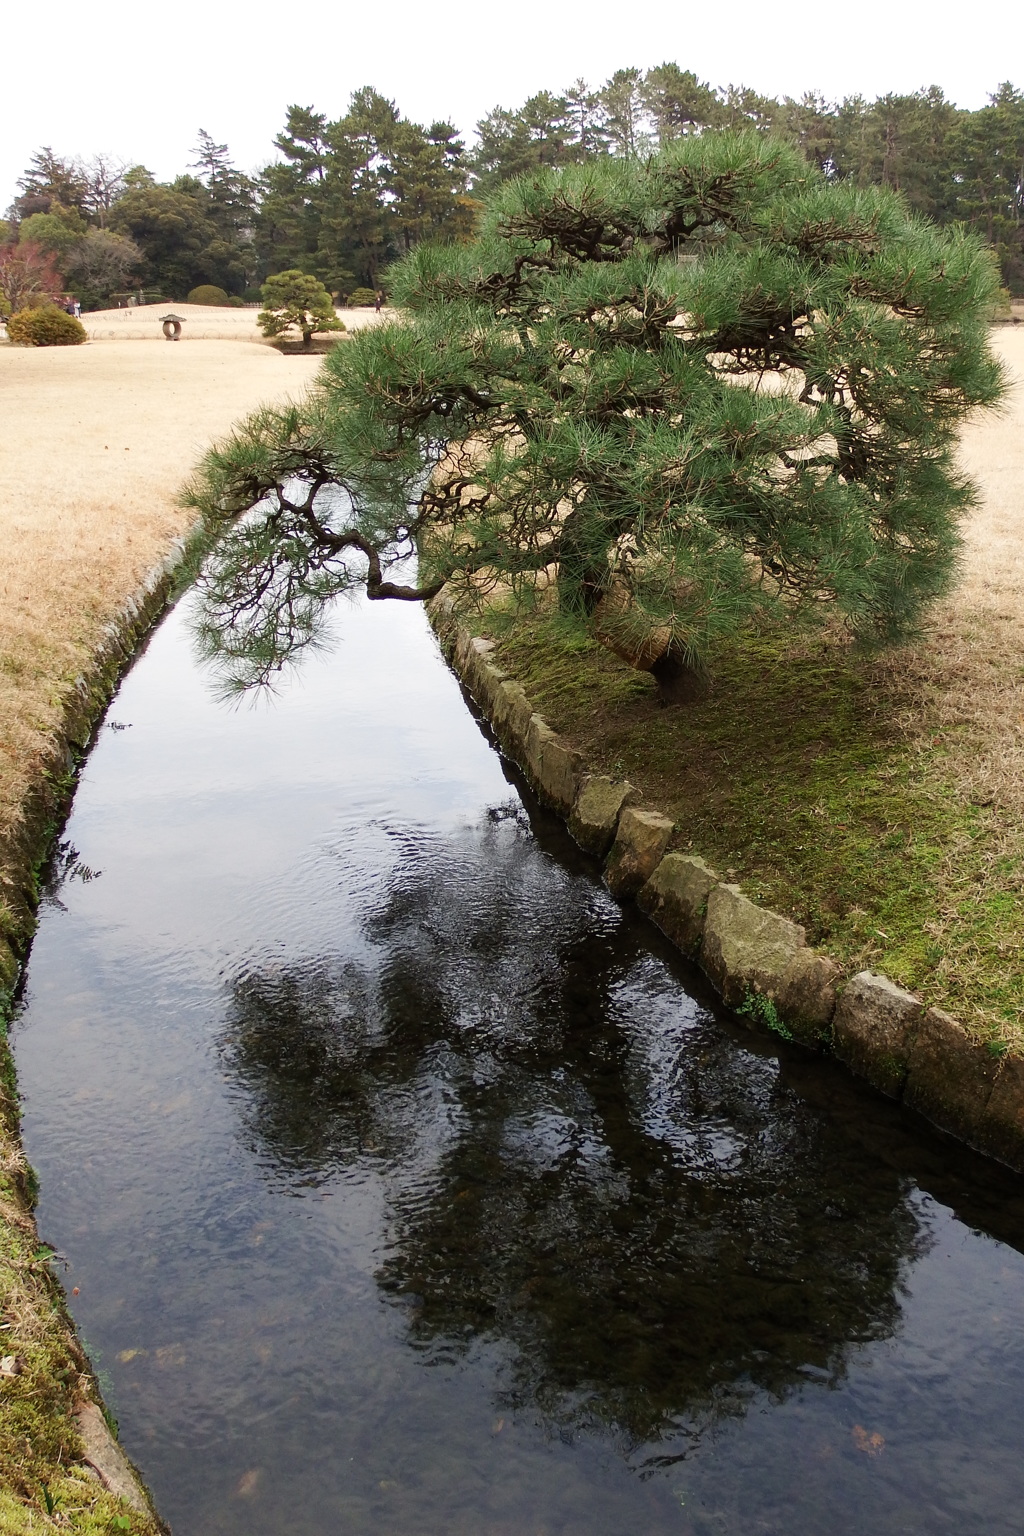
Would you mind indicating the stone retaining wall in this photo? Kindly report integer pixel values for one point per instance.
(759, 961)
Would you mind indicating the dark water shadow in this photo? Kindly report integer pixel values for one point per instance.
(644, 1215)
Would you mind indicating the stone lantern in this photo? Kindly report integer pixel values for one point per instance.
(172, 325)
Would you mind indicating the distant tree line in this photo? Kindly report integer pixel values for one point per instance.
(950, 164)
(346, 198)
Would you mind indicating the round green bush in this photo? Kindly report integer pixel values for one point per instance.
(359, 298)
(46, 326)
(207, 293)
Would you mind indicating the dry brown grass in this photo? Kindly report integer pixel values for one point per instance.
(966, 676)
(969, 670)
(203, 322)
(96, 442)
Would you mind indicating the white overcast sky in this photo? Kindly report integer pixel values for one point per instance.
(138, 81)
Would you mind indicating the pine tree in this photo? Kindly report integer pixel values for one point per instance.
(357, 224)
(584, 119)
(812, 124)
(626, 122)
(294, 300)
(353, 195)
(988, 172)
(229, 204)
(902, 142)
(292, 194)
(677, 102)
(48, 180)
(426, 177)
(763, 432)
(511, 144)
(740, 107)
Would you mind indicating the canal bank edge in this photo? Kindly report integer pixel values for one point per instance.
(758, 960)
(98, 1489)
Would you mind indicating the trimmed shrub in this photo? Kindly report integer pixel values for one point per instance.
(46, 326)
(360, 298)
(295, 300)
(207, 293)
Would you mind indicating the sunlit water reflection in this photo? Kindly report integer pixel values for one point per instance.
(411, 1187)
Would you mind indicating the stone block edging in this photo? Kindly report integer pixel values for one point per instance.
(758, 960)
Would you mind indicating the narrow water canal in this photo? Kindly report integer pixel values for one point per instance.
(411, 1188)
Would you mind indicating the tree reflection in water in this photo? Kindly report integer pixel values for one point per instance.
(581, 1164)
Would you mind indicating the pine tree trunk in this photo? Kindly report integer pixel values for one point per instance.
(678, 682)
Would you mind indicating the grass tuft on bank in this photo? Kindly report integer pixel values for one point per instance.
(813, 776)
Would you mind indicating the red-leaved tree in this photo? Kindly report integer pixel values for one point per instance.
(27, 276)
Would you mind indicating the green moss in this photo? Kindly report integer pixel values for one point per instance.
(79, 1504)
(792, 778)
(761, 1010)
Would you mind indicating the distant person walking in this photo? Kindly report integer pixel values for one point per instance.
(378, 301)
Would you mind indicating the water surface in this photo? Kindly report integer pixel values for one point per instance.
(411, 1188)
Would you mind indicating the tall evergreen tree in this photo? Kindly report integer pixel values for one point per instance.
(352, 195)
(585, 135)
(427, 182)
(230, 200)
(677, 102)
(292, 194)
(811, 124)
(48, 180)
(356, 224)
(626, 122)
(517, 143)
(169, 225)
(989, 174)
(186, 237)
(902, 142)
(230, 191)
(740, 107)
